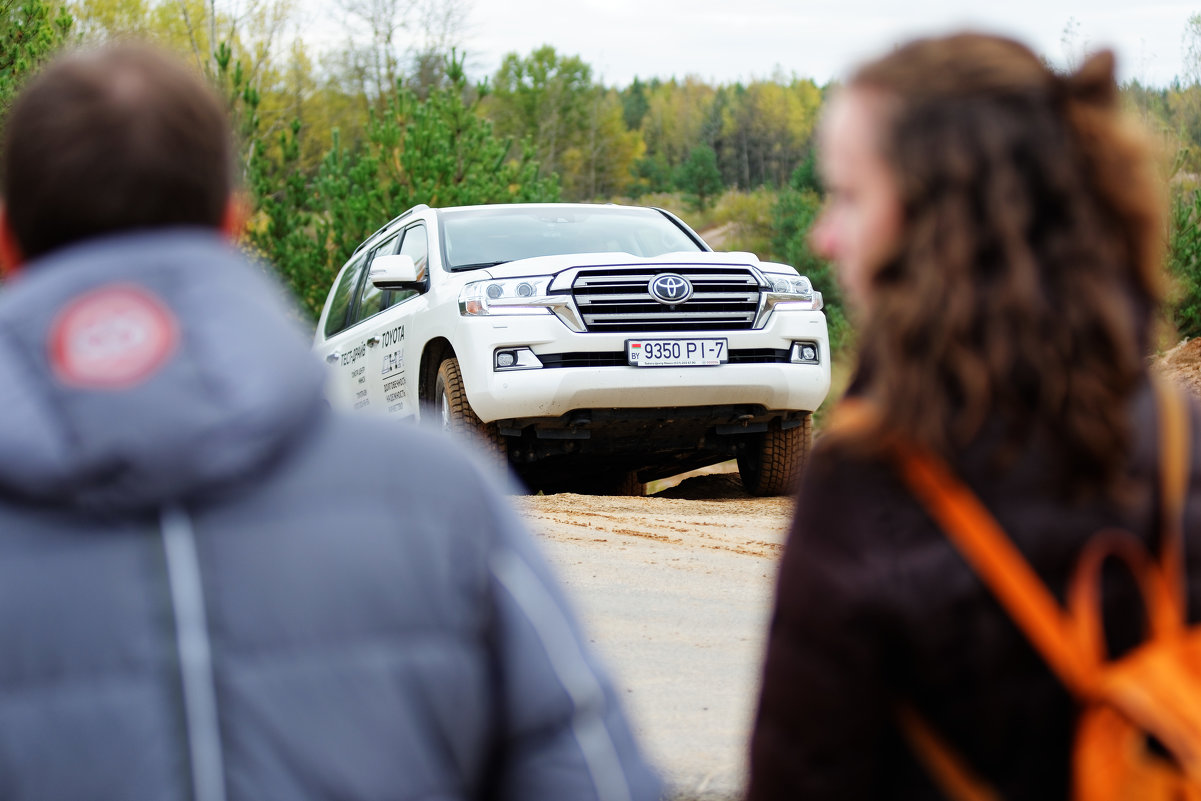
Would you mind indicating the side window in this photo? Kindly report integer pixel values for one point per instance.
(339, 303)
(371, 301)
(415, 244)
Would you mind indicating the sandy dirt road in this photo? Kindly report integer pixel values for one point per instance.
(675, 595)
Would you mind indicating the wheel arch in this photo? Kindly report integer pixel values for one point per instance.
(435, 352)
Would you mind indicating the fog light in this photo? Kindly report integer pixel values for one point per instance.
(805, 353)
(515, 359)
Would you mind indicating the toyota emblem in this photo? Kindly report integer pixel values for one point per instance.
(670, 288)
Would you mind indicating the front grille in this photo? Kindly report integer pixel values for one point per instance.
(617, 299)
(617, 358)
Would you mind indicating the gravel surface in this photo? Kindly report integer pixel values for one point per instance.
(675, 594)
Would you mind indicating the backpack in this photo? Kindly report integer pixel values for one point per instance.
(1138, 734)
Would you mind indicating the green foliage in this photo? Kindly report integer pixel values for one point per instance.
(677, 118)
(795, 213)
(699, 177)
(437, 150)
(651, 174)
(766, 130)
(600, 164)
(749, 218)
(30, 31)
(286, 226)
(280, 231)
(441, 152)
(1184, 262)
(578, 129)
(543, 98)
(759, 132)
(634, 104)
(242, 99)
(805, 176)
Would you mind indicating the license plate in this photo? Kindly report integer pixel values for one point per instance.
(676, 352)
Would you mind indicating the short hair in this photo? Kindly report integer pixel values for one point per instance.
(115, 139)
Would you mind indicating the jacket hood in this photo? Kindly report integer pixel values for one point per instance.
(141, 370)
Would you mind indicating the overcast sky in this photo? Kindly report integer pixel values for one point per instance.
(741, 40)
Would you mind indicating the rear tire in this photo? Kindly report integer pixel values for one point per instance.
(455, 415)
(771, 462)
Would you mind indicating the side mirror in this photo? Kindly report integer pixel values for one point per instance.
(397, 271)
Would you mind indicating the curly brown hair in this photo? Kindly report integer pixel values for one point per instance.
(1028, 274)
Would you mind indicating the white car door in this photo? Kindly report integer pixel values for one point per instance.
(342, 344)
(393, 386)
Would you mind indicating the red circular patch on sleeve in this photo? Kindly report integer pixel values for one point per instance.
(112, 337)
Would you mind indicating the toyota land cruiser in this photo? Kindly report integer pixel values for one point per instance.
(595, 347)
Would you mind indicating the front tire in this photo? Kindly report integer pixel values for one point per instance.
(454, 413)
(771, 462)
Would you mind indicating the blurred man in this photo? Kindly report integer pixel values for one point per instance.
(210, 586)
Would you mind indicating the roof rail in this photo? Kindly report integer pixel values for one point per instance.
(390, 223)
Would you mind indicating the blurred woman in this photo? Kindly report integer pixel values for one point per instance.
(997, 228)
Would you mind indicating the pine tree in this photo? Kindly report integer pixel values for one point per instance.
(438, 150)
(699, 177)
(30, 31)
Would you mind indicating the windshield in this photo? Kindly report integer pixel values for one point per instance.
(477, 238)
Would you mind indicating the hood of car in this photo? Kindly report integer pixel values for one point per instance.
(549, 265)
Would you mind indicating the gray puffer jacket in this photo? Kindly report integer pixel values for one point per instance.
(213, 588)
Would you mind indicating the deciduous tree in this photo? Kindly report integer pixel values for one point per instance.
(601, 164)
(676, 118)
(543, 98)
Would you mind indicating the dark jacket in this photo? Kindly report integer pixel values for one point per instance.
(211, 587)
(875, 606)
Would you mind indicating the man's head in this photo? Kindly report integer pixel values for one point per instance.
(112, 140)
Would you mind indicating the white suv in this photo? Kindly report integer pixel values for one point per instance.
(597, 347)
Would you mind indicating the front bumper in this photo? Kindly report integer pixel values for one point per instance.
(547, 392)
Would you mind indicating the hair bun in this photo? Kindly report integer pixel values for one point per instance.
(1093, 82)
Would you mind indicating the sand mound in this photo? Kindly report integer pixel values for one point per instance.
(1182, 364)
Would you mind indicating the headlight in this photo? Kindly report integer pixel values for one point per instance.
(789, 291)
(507, 296)
(794, 290)
(792, 285)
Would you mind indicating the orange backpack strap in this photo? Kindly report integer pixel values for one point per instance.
(990, 552)
(985, 546)
(946, 767)
(1174, 454)
(1071, 644)
(1162, 582)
